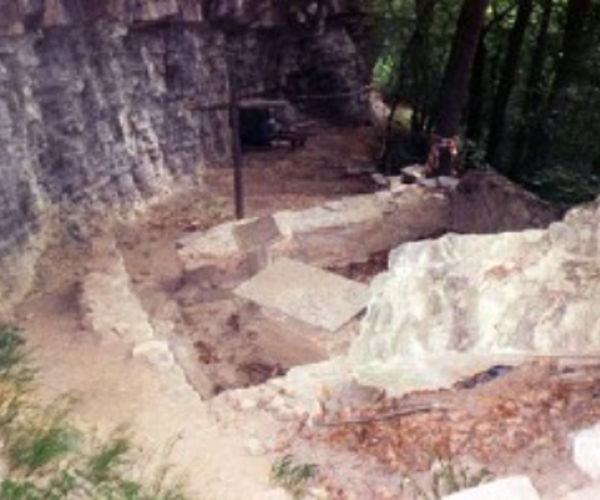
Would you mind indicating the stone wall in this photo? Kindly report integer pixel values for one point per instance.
(113, 104)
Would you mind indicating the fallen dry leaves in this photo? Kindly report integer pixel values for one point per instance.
(532, 407)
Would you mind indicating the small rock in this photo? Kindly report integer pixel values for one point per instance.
(448, 182)
(157, 353)
(442, 182)
(586, 451)
(380, 179)
(513, 488)
(254, 447)
(397, 185)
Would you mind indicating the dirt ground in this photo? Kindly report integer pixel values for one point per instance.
(221, 447)
(171, 422)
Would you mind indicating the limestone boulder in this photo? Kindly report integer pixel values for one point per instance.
(536, 291)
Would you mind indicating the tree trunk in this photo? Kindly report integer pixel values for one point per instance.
(533, 91)
(477, 93)
(424, 12)
(421, 67)
(507, 81)
(455, 86)
(570, 69)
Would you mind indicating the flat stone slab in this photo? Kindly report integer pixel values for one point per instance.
(306, 293)
(257, 233)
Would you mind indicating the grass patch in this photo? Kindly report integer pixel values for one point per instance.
(448, 477)
(295, 478)
(46, 458)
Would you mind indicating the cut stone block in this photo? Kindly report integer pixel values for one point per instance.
(257, 233)
(284, 340)
(306, 293)
(509, 488)
(110, 307)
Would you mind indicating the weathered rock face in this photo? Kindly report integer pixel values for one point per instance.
(534, 291)
(21, 15)
(112, 104)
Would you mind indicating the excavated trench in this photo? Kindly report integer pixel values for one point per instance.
(186, 269)
(239, 344)
(260, 296)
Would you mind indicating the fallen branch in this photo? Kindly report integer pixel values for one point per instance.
(399, 413)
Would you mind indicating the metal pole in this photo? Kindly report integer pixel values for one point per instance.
(236, 147)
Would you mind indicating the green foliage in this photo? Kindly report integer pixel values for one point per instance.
(13, 366)
(562, 186)
(106, 459)
(448, 477)
(11, 349)
(413, 46)
(40, 440)
(292, 477)
(46, 456)
(550, 140)
(472, 156)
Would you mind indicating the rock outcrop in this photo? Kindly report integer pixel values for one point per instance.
(537, 291)
(117, 103)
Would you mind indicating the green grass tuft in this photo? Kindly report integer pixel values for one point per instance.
(448, 477)
(292, 477)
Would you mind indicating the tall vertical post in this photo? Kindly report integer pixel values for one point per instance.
(234, 124)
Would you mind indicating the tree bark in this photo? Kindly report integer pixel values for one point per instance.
(507, 81)
(478, 87)
(453, 92)
(477, 94)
